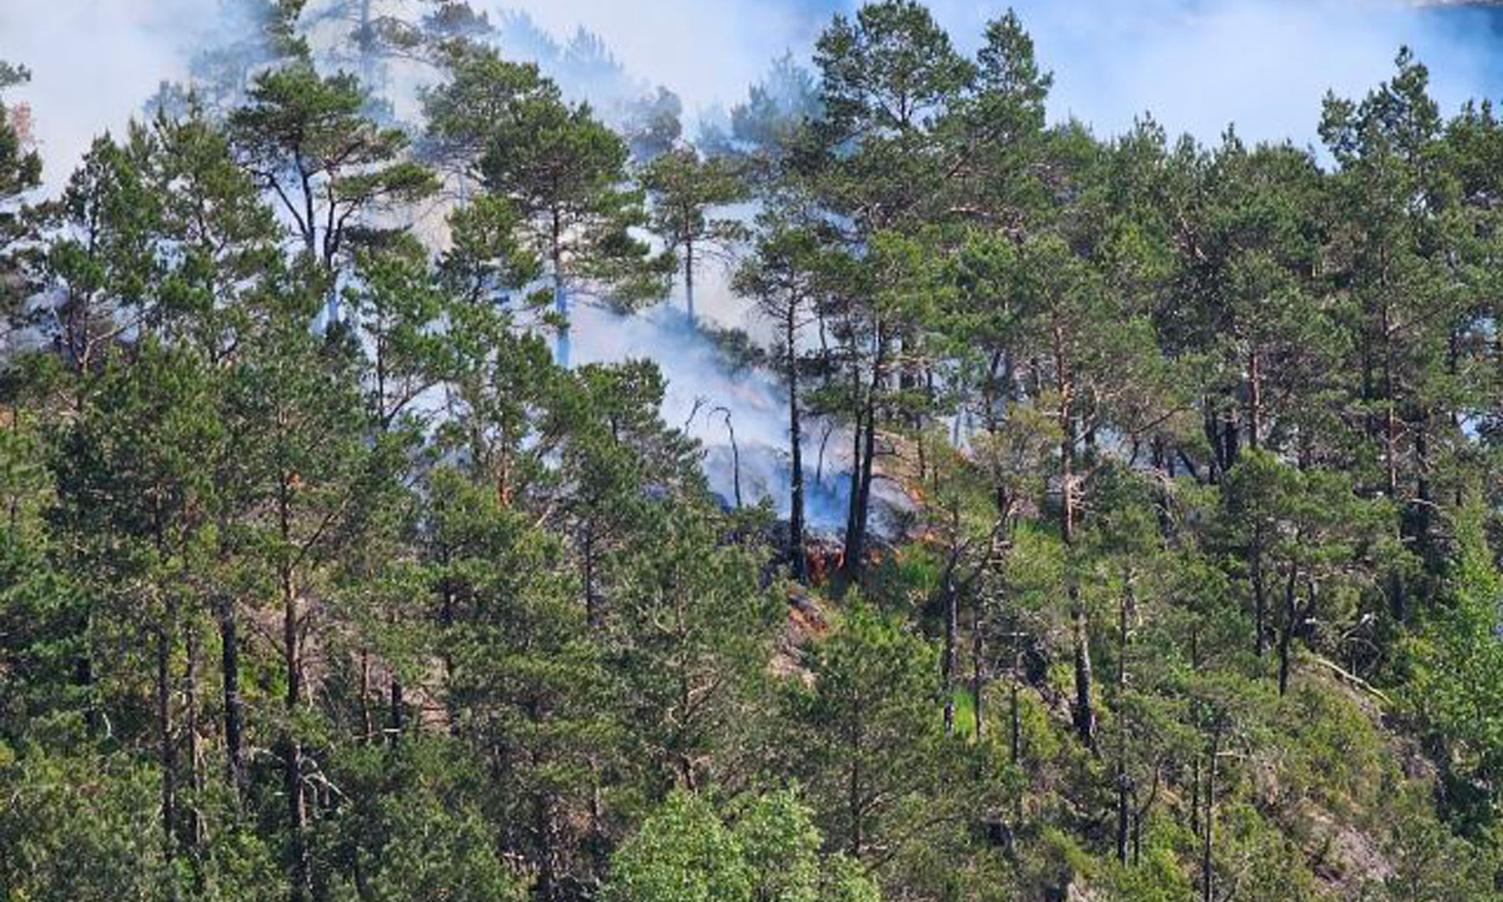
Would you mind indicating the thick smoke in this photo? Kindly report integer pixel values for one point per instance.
(94, 62)
(703, 390)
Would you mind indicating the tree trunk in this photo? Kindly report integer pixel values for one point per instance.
(947, 664)
(730, 431)
(593, 616)
(396, 711)
(978, 674)
(1014, 714)
(292, 751)
(1254, 400)
(1122, 780)
(1390, 413)
(547, 866)
(229, 669)
(1424, 507)
(83, 673)
(796, 552)
(1085, 714)
(858, 447)
(1286, 635)
(861, 490)
(1195, 782)
(1207, 882)
(1260, 592)
(861, 483)
(560, 295)
(689, 279)
(1229, 438)
(367, 722)
(167, 750)
(195, 826)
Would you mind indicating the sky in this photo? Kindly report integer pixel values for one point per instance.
(1195, 64)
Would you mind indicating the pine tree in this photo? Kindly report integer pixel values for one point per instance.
(560, 168)
(684, 190)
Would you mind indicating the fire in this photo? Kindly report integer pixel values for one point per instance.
(825, 556)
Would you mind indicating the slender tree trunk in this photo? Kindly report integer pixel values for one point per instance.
(858, 446)
(796, 550)
(1286, 635)
(689, 279)
(547, 868)
(1424, 507)
(83, 672)
(1123, 788)
(292, 750)
(1260, 592)
(952, 623)
(1229, 436)
(560, 294)
(730, 431)
(229, 669)
(1084, 714)
(1014, 714)
(195, 825)
(1390, 412)
(396, 710)
(367, 721)
(978, 672)
(1211, 425)
(1195, 782)
(1254, 400)
(1207, 876)
(856, 554)
(167, 749)
(855, 540)
(592, 603)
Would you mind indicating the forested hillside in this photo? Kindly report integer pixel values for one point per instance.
(1136, 535)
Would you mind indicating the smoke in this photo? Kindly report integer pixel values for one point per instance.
(1196, 65)
(93, 63)
(707, 52)
(703, 390)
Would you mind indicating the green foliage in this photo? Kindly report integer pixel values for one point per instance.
(408, 831)
(769, 852)
(683, 851)
(305, 137)
(1169, 479)
(1453, 671)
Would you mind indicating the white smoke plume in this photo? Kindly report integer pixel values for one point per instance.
(1196, 65)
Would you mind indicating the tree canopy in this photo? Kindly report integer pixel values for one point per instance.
(1127, 519)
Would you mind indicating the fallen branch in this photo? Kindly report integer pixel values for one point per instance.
(1355, 680)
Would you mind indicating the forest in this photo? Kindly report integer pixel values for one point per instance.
(1137, 536)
